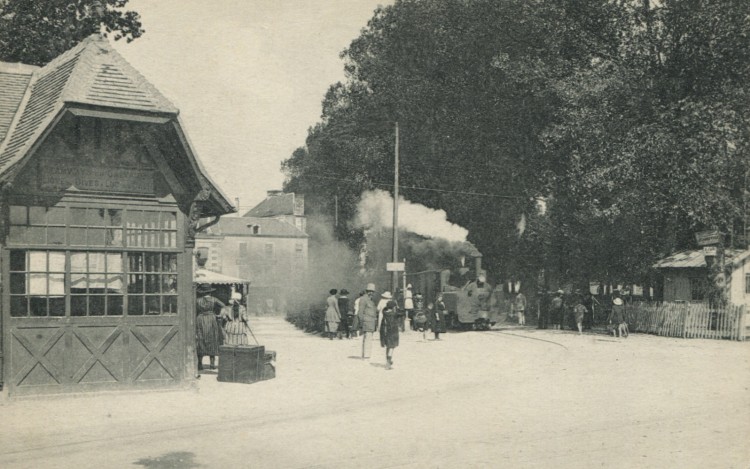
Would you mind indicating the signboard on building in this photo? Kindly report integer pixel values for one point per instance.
(395, 266)
(708, 238)
(103, 179)
(709, 251)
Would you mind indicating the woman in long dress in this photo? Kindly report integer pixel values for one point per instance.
(333, 315)
(389, 328)
(208, 336)
(437, 317)
(237, 325)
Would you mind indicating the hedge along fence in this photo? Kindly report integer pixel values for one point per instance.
(688, 320)
(310, 319)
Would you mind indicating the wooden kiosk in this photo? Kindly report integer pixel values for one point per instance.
(101, 194)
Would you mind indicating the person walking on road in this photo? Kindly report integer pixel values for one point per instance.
(389, 328)
(208, 336)
(588, 318)
(542, 310)
(354, 322)
(408, 306)
(437, 317)
(367, 315)
(344, 328)
(333, 315)
(617, 316)
(579, 311)
(520, 304)
(557, 308)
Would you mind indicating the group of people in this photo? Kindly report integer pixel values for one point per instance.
(217, 324)
(368, 316)
(556, 311)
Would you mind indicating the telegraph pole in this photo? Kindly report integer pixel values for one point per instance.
(394, 281)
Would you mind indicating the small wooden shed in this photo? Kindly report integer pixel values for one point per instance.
(685, 276)
(100, 199)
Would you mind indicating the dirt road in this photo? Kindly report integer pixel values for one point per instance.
(509, 398)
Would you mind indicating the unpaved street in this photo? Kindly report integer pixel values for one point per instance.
(508, 398)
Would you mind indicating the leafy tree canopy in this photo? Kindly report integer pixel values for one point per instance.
(36, 31)
(629, 118)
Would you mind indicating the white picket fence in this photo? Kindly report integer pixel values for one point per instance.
(689, 320)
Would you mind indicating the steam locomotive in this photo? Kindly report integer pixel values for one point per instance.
(470, 301)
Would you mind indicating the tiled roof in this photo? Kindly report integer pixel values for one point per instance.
(275, 205)
(693, 259)
(14, 79)
(242, 226)
(91, 73)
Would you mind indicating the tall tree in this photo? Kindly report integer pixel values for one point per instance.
(439, 70)
(627, 118)
(36, 31)
(654, 136)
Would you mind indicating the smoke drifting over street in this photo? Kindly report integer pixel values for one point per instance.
(375, 212)
(332, 264)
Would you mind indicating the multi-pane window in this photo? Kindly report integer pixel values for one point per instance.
(152, 283)
(97, 283)
(86, 226)
(37, 225)
(92, 261)
(37, 283)
(150, 229)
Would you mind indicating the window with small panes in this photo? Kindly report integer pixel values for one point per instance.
(86, 261)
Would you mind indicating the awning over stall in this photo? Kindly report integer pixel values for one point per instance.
(209, 276)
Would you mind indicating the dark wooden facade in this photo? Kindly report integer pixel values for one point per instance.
(98, 218)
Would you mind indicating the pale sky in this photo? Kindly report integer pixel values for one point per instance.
(247, 75)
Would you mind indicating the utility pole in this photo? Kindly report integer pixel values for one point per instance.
(394, 281)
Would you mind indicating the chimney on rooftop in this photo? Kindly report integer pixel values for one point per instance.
(274, 192)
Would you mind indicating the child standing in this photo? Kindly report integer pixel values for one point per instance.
(579, 311)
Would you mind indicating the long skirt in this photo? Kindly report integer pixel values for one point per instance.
(208, 334)
(437, 323)
(236, 333)
(344, 324)
(332, 326)
(389, 329)
(557, 317)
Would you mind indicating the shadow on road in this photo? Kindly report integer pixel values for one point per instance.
(176, 460)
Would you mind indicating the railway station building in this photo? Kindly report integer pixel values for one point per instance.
(101, 196)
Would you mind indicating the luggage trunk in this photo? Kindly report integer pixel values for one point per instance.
(245, 363)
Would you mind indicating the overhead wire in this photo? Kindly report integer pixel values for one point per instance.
(432, 189)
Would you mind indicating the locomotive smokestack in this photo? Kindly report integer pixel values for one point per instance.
(478, 264)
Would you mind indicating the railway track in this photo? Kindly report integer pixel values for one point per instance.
(494, 332)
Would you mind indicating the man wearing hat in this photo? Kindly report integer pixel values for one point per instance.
(367, 314)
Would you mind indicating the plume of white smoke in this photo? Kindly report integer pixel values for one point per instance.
(375, 211)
